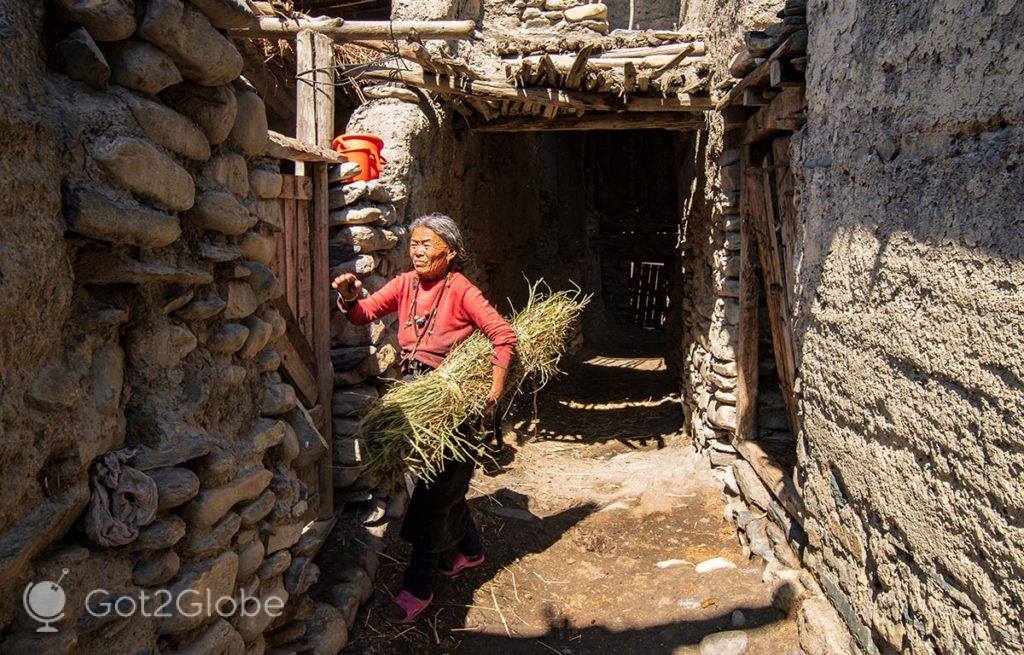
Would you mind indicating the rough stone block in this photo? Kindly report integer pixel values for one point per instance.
(283, 536)
(359, 214)
(174, 486)
(260, 333)
(257, 247)
(159, 343)
(106, 379)
(252, 626)
(265, 434)
(301, 575)
(144, 170)
(81, 59)
(106, 20)
(312, 445)
(156, 569)
(229, 338)
(264, 283)
(162, 533)
(219, 638)
(216, 576)
(211, 504)
(257, 509)
(216, 467)
(204, 543)
(164, 126)
(821, 630)
(249, 559)
(227, 170)
(201, 309)
(93, 214)
(266, 183)
(278, 399)
(347, 451)
(249, 133)
(222, 212)
(226, 14)
(142, 67)
(201, 53)
(368, 239)
(212, 108)
(353, 400)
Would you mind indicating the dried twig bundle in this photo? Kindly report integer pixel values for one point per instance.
(416, 424)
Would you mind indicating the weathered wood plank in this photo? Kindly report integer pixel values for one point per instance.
(783, 114)
(303, 269)
(280, 146)
(298, 374)
(774, 478)
(296, 188)
(794, 45)
(359, 30)
(321, 290)
(750, 287)
(772, 256)
(290, 279)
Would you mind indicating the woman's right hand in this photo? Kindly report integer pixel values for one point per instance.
(347, 285)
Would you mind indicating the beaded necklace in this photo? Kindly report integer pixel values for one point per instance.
(423, 325)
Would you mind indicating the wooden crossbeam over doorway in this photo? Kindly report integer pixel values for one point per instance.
(342, 30)
(593, 121)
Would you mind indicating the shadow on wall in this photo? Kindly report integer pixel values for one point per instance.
(907, 321)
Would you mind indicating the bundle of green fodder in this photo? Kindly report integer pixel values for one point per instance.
(416, 424)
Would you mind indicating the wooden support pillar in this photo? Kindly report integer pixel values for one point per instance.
(750, 288)
(315, 125)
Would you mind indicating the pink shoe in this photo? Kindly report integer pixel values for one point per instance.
(405, 607)
(461, 562)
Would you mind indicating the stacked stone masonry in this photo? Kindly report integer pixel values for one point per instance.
(167, 451)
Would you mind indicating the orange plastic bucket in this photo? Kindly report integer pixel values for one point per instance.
(363, 149)
(368, 166)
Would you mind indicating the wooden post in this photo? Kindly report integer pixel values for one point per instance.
(747, 360)
(315, 124)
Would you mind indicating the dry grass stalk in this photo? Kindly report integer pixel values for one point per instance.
(415, 425)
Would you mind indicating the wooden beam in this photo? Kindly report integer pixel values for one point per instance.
(341, 30)
(774, 478)
(794, 45)
(783, 114)
(749, 300)
(594, 121)
(280, 146)
(773, 254)
(695, 48)
(545, 97)
(564, 63)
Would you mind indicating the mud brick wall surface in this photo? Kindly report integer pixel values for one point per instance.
(908, 321)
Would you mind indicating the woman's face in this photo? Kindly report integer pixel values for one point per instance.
(430, 255)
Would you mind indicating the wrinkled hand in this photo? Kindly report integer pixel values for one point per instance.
(348, 285)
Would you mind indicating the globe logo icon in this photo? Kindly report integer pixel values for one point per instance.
(44, 601)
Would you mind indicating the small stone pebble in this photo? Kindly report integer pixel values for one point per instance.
(738, 619)
(730, 642)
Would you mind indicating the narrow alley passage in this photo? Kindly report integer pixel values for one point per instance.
(595, 518)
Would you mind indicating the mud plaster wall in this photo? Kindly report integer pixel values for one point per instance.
(909, 315)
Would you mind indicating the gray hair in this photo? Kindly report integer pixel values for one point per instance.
(446, 228)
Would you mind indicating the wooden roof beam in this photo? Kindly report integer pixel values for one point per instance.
(546, 97)
(593, 121)
(270, 27)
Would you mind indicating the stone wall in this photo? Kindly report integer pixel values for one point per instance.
(149, 442)
(908, 321)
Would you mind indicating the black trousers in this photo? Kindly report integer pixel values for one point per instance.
(438, 523)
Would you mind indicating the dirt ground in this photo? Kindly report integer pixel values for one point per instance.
(593, 524)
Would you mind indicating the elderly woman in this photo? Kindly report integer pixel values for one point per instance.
(437, 308)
